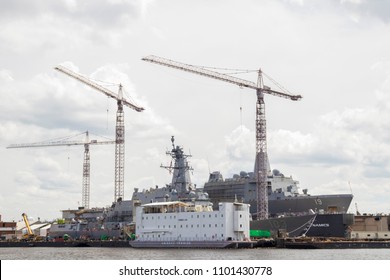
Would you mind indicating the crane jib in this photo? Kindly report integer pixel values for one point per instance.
(216, 75)
(96, 86)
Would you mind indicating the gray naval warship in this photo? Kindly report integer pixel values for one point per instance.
(284, 197)
(290, 211)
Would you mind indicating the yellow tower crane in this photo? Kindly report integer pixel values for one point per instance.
(120, 126)
(261, 161)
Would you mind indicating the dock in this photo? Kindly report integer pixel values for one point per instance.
(61, 244)
(323, 243)
(279, 243)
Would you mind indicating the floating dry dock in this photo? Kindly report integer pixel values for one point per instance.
(193, 244)
(133, 244)
(278, 243)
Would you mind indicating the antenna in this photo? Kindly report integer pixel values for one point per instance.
(357, 211)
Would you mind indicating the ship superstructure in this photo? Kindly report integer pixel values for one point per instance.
(284, 196)
(180, 188)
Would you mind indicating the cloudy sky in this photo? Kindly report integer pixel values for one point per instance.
(334, 53)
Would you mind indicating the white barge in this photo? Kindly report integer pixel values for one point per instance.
(177, 224)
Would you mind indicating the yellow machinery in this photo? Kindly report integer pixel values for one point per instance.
(29, 235)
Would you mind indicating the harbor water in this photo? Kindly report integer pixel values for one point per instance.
(191, 254)
(200, 264)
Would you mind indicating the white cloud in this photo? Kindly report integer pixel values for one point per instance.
(54, 105)
(356, 2)
(5, 75)
(337, 133)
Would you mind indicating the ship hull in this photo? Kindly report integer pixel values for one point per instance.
(326, 203)
(310, 225)
(342, 244)
(191, 244)
(59, 244)
(88, 232)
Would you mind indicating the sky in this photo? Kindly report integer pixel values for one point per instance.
(334, 53)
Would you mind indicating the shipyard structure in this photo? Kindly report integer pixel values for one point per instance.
(7, 229)
(181, 212)
(293, 212)
(274, 202)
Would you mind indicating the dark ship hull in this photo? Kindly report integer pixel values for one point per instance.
(310, 225)
(318, 203)
(290, 211)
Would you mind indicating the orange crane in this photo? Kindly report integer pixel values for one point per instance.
(261, 162)
(120, 126)
(86, 164)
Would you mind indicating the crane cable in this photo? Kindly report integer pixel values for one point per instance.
(283, 89)
(108, 107)
(58, 139)
(246, 71)
(232, 72)
(236, 71)
(241, 110)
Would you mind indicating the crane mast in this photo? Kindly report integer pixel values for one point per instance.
(86, 186)
(261, 160)
(119, 128)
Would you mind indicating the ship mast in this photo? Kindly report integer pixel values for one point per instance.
(181, 180)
